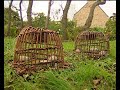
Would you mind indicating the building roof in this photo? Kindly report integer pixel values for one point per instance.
(85, 5)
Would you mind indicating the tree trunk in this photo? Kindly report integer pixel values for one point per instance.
(29, 10)
(21, 13)
(90, 17)
(64, 19)
(9, 19)
(47, 19)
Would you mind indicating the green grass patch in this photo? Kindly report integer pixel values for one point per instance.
(79, 77)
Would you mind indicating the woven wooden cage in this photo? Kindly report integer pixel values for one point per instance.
(36, 48)
(92, 44)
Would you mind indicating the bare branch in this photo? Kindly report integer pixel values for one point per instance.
(21, 13)
(52, 2)
(61, 7)
(15, 8)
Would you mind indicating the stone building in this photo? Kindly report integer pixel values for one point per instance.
(99, 18)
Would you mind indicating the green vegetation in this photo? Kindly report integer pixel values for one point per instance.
(39, 21)
(79, 77)
(15, 22)
(111, 28)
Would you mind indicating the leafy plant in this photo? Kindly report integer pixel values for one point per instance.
(111, 28)
(39, 20)
(98, 29)
(15, 22)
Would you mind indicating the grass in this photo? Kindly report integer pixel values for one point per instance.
(79, 77)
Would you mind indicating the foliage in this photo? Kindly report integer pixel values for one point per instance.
(79, 77)
(72, 30)
(39, 20)
(15, 22)
(98, 29)
(55, 25)
(13, 32)
(14, 16)
(111, 28)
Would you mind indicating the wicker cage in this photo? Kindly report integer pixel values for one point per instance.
(36, 48)
(92, 44)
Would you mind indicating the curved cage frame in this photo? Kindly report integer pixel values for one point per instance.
(92, 44)
(36, 48)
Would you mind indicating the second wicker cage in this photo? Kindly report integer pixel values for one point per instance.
(92, 44)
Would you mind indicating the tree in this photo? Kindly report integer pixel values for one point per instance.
(90, 17)
(21, 13)
(29, 10)
(9, 18)
(47, 19)
(64, 19)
